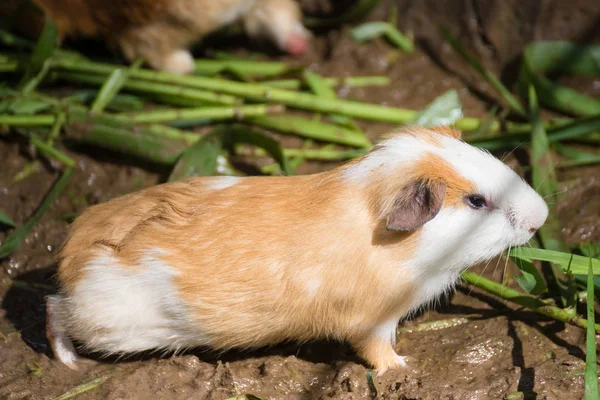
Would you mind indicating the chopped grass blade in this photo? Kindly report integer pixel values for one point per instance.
(571, 130)
(204, 113)
(319, 86)
(116, 80)
(142, 142)
(27, 120)
(84, 387)
(565, 57)
(14, 239)
(45, 47)
(255, 69)
(544, 178)
(372, 30)
(186, 96)
(50, 151)
(312, 129)
(578, 264)
(506, 95)
(591, 369)
(352, 81)
(5, 220)
(322, 154)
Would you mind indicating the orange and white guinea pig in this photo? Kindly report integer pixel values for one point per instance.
(230, 262)
(161, 31)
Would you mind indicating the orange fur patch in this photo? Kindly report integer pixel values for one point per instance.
(447, 131)
(435, 168)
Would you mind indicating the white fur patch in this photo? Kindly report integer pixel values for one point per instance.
(387, 330)
(221, 182)
(119, 308)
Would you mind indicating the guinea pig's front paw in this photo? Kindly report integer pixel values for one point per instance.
(178, 62)
(395, 363)
(380, 354)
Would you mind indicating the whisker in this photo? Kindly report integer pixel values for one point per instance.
(543, 180)
(512, 151)
(555, 193)
(480, 275)
(506, 263)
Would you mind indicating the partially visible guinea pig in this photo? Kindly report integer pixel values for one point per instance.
(161, 31)
(230, 262)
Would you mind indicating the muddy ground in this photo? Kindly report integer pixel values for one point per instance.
(493, 351)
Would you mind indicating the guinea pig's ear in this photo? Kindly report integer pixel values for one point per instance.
(417, 203)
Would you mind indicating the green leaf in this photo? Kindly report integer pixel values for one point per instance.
(240, 134)
(5, 220)
(12, 241)
(530, 279)
(578, 263)
(444, 110)
(200, 159)
(544, 178)
(591, 369)
(370, 30)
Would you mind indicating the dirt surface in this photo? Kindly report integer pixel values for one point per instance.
(493, 350)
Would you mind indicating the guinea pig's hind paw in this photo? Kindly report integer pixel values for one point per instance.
(398, 362)
(178, 62)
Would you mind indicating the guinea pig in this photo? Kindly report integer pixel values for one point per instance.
(244, 262)
(161, 31)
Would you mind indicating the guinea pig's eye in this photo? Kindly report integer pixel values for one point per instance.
(475, 201)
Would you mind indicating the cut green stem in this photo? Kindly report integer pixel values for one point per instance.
(312, 129)
(526, 301)
(186, 94)
(352, 81)
(261, 93)
(205, 113)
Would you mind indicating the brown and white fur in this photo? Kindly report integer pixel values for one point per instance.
(161, 31)
(231, 262)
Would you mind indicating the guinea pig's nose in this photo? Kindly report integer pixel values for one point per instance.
(533, 229)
